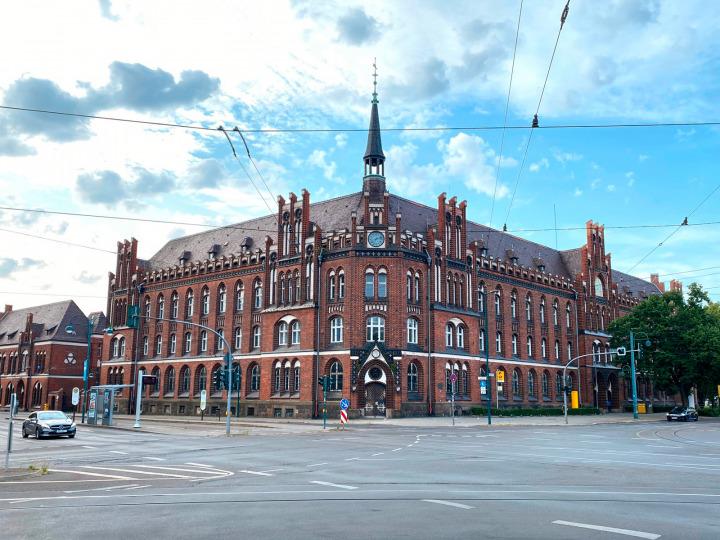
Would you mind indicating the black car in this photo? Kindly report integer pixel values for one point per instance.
(48, 423)
(683, 414)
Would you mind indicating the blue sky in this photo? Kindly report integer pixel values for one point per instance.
(308, 65)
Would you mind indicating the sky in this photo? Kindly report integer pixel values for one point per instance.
(309, 65)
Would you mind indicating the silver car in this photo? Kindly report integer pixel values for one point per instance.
(47, 424)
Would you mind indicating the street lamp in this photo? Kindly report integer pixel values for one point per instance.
(632, 368)
(70, 330)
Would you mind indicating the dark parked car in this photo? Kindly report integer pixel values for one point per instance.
(48, 423)
(682, 414)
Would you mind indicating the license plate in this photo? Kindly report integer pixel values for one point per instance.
(61, 430)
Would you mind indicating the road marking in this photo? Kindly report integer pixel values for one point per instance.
(272, 470)
(116, 477)
(154, 458)
(132, 471)
(118, 452)
(626, 532)
(259, 473)
(397, 449)
(203, 471)
(90, 447)
(137, 487)
(352, 459)
(101, 488)
(330, 484)
(197, 464)
(378, 454)
(449, 503)
(317, 464)
(662, 446)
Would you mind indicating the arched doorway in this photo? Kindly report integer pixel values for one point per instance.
(21, 394)
(377, 392)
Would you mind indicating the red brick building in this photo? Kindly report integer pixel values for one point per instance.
(386, 296)
(42, 350)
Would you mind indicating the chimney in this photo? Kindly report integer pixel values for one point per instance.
(655, 280)
(8, 308)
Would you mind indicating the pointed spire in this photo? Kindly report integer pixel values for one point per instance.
(374, 144)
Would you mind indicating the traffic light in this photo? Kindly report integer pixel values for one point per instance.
(220, 379)
(133, 316)
(324, 381)
(236, 376)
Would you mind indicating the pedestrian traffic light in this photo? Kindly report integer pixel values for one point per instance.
(133, 316)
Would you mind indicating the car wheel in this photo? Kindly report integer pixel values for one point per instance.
(37, 433)
(24, 433)
(72, 436)
(669, 419)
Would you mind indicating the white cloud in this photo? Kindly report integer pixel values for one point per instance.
(642, 157)
(611, 187)
(565, 157)
(469, 157)
(318, 159)
(630, 175)
(577, 192)
(341, 140)
(535, 167)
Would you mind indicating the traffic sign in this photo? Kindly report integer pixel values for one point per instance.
(203, 399)
(500, 376)
(344, 404)
(75, 396)
(343, 416)
(483, 390)
(483, 384)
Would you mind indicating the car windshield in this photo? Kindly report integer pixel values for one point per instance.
(677, 410)
(52, 415)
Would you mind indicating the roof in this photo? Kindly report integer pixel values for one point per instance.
(374, 144)
(635, 284)
(49, 322)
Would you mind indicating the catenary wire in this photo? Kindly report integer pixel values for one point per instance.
(507, 106)
(622, 125)
(39, 237)
(25, 293)
(257, 170)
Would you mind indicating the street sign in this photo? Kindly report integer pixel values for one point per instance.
(482, 378)
(621, 351)
(500, 376)
(483, 390)
(483, 384)
(75, 396)
(344, 404)
(203, 400)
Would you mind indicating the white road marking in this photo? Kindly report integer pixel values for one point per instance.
(352, 459)
(626, 532)
(203, 471)
(397, 449)
(110, 488)
(132, 471)
(259, 473)
(330, 484)
(152, 458)
(118, 452)
(137, 487)
(449, 503)
(272, 470)
(90, 447)
(116, 477)
(197, 464)
(662, 446)
(378, 454)
(317, 464)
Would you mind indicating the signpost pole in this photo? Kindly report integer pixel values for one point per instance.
(324, 403)
(138, 396)
(75, 399)
(13, 399)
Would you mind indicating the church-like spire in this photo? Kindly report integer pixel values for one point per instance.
(374, 157)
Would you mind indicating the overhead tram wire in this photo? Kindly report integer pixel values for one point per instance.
(507, 106)
(65, 242)
(699, 123)
(257, 170)
(24, 293)
(535, 123)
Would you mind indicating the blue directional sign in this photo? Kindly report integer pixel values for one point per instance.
(344, 404)
(483, 384)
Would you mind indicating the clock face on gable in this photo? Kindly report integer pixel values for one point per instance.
(376, 239)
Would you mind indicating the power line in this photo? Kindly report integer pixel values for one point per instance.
(689, 271)
(535, 123)
(689, 123)
(507, 106)
(257, 170)
(23, 293)
(58, 241)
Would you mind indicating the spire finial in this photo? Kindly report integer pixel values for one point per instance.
(375, 99)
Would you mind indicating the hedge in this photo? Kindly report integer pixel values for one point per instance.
(709, 411)
(538, 411)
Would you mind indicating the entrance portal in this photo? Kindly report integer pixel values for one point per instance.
(375, 399)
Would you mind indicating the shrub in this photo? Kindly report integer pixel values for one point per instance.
(537, 411)
(709, 411)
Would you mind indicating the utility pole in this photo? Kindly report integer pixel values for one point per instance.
(632, 374)
(488, 386)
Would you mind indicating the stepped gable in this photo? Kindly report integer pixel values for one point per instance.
(48, 322)
(330, 215)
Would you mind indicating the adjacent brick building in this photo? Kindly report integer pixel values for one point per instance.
(42, 350)
(386, 296)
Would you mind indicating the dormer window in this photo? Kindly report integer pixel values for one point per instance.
(213, 251)
(184, 258)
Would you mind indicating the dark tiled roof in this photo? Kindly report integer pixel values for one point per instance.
(49, 322)
(636, 285)
(374, 144)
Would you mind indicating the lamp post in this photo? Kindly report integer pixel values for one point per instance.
(70, 329)
(632, 368)
(486, 343)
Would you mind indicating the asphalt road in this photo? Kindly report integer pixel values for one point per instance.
(643, 480)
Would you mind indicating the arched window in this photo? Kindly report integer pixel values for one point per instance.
(336, 330)
(169, 386)
(529, 346)
(161, 307)
(172, 348)
(341, 285)
(513, 305)
(296, 377)
(174, 304)
(158, 345)
(412, 331)
(528, 308)
(569, 351)
(184, 380)
(257, 294)
(514, 345)
(369, 283)
(222, 299)
(220, 340)
(558, 385)
(546, 385)
(460, 343)
(382, 284)
(555, 312)
(145, 345)
(200, 380)
(295, 333)
(239, 296)
(336, 376)
(155, 388)
(375, 328)
(543, 347)
(567, 315)
(122, 346)
(412, 377)
(498, 306)
(188, 343)
(542, 310)
(516, 382)
(482, 339)
(189, 304)
(237, 338)
(417, 287)
(37, 395)
(147, 306)
(276, 377)
(557, 350)
(283, 334)
(203, 341)
(205, 301)
(286, 377)
(408, 286)
(449, 335)
(331, 286)
(464, 380)
(532, 389)
(599, 287)
(116, 348)
(256, 337)
(255, 378)
(498, 342)
(481, 298)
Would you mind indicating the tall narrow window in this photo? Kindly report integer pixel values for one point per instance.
(514, 345)
(412, 377)
(173, 343)
(513, 305)
(532, 389)
(528, 308)
(296, 377)
(336, 330)
(174, 306)
(257, 294)
(239, 296)
(189, 304)
(482, 339)
(382, 285)
(529, 346)
(145, 346)
(498, 308)
(542, 311)
(203, 341)
(222, 299)
(295, 333)
(158, 345)
(460, 343)
(336, 376)
(417, 287)
(341, 285)
(255, 378)
(498, 342)
(557, 350)
(331, 286)
(256, 337)
(449, 335)
(555, 312)
(147, 306)
(543, 347)
(567, 315)
(237, 338)
(161, 307)
(205, 301)
(188, 343)
(282, 334)
(408, 286)
(481, 298)
(545, 385)
(369, 284)
(412, 331)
